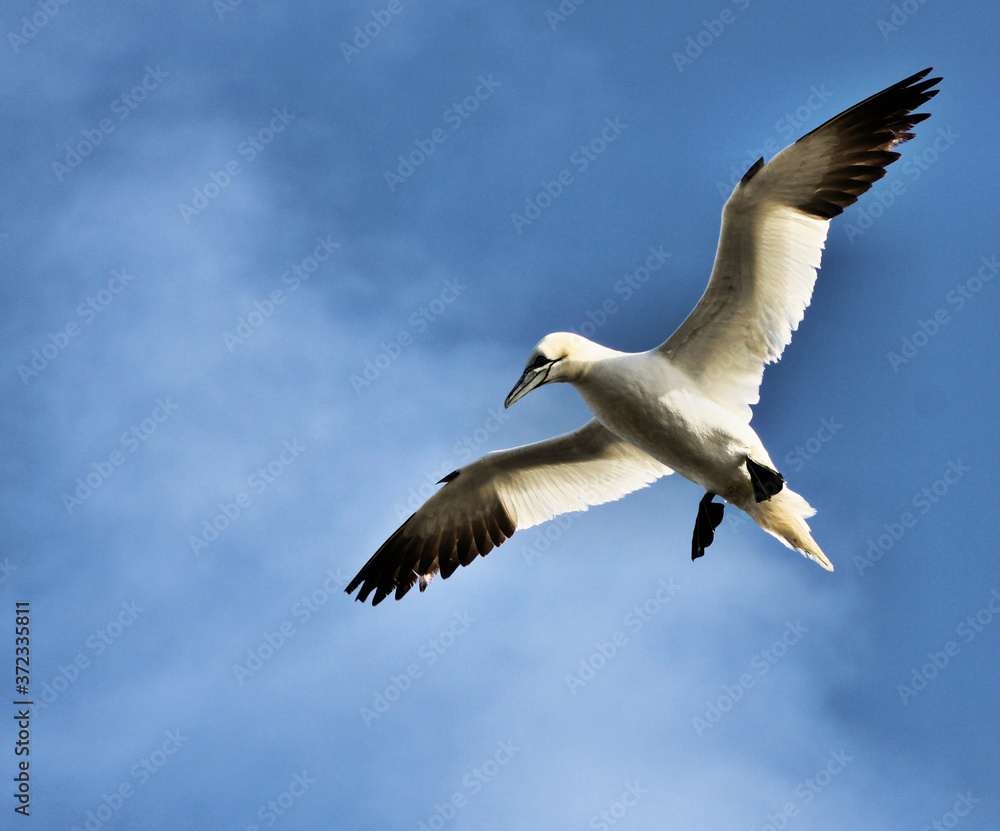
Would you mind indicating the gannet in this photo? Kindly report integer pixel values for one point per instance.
(684, 406)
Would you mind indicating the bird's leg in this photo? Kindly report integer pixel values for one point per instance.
(766, 482)
(709, 517)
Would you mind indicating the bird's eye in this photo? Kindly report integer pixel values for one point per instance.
(540, 361)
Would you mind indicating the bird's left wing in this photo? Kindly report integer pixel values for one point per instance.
(773, 230)
(483, 503)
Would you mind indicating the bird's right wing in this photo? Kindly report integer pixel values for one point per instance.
(483, 503)
(773, 231)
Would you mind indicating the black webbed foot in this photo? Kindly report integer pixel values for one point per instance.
(766, 482)
(709, 517)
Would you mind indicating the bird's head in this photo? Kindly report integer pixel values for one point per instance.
(555, 358)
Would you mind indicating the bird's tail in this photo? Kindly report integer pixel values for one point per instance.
(784, 516)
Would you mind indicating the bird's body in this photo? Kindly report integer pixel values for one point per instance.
(684, 406)
(645, 400)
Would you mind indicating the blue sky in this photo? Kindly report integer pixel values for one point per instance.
(269, 274)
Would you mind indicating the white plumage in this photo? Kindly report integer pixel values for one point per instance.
(685, 405)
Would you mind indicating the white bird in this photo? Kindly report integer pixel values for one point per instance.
(685, 405)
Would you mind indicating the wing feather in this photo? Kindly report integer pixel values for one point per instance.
(774, 227)
(484, 503)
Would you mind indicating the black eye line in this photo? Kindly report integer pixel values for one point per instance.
(545, 377)
(541, 361)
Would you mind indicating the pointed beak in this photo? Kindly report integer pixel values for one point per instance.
(529, 380)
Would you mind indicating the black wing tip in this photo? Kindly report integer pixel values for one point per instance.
(917, 84)
(869, 131)
(757, 165)
(402, 561)
(917, 76)
(888, 110)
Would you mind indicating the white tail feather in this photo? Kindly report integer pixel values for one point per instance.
(784, 516)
